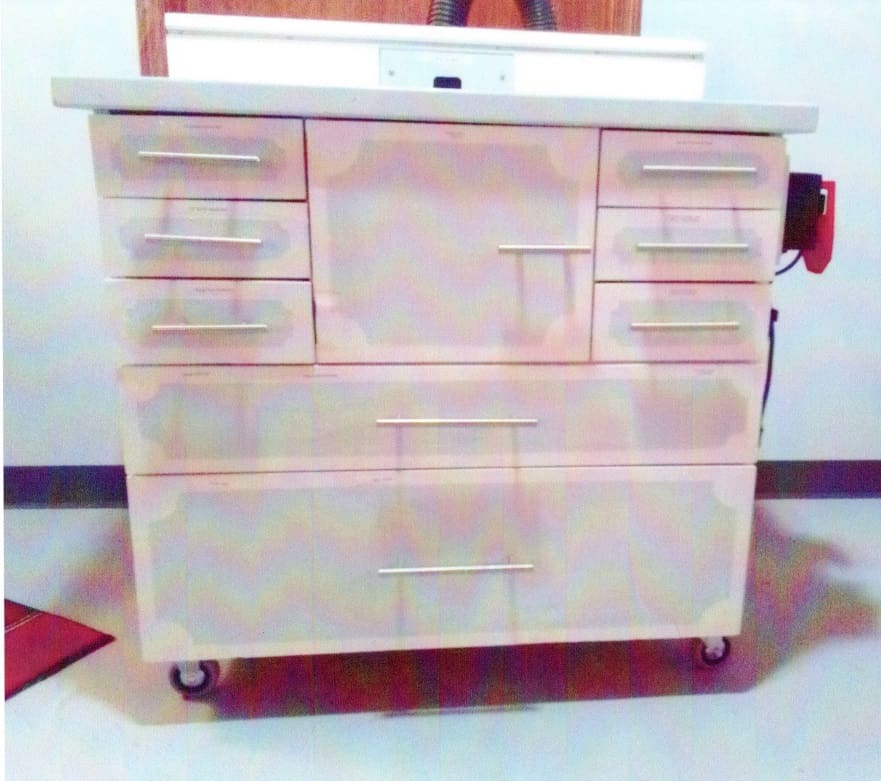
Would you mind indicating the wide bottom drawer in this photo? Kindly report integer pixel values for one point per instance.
(278, 564)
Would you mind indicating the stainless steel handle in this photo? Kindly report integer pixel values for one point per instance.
(545, 248)
(184, 239)
(709, 325)
(455, 569)
(405, 422)
(197, 157)
(672, 246)
(652, 168)
(207, 327)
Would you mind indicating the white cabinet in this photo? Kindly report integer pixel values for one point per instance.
(384, 388)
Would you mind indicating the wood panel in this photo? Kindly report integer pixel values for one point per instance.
(602, 16)
(151, 37)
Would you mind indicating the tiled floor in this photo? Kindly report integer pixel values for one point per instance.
(798, 699)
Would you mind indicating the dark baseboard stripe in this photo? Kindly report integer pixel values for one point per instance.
(104, 486)
(818, 479)
(64, 486)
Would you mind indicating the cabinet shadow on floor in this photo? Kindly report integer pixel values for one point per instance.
(791, 607)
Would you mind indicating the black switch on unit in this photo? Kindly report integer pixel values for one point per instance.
(448, 82)
(803, 208)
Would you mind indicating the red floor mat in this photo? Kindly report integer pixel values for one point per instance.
(40, 644)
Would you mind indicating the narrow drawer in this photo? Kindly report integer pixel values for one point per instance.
(198, 156)
(661, 169)
(269, 418)
(204, 321)
(681, 322)
(150, 237)
(725, 245)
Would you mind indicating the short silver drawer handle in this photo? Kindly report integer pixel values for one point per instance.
(673, 246)
(197, 157)
(710, 325)
(455, 569)
(405, 422)
(651, 168)
(563, 248)
(176, 238)
(207, 327)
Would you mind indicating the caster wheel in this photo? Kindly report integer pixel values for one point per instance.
(195, 679)
(713, 651)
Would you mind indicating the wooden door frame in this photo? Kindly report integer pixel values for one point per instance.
(622, 17)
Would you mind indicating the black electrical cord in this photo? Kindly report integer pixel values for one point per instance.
(774, 316)
(772, 321)
(789, 265)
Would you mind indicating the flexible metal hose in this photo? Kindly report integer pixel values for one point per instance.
(537, 14)
(449, 12)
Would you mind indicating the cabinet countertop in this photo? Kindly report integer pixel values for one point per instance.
(152, 94)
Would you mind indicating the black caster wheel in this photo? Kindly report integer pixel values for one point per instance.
(197, 681)
(713, 651)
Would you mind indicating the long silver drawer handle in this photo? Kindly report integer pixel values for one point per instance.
(545, 248)
(403, 422)
(184, 239)
(198, 157)
(187, 327)
(710, 325)
(651, 246)
(652, 168)
(455, 569)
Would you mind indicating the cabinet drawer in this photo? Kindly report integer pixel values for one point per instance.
(451, 243)
(726, 245)
(232, 419)
(204, 321)
(250, 565)
(150, 237)
(198, 156)
(672, 322)
(660, 169)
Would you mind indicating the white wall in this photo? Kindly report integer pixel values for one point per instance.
(60, 401)
(58, 383)
(826, 394)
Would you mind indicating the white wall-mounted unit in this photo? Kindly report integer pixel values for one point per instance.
(369, 55)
